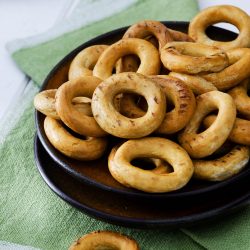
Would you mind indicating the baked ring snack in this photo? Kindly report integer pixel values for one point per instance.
(44, 102)
(193, 58)
(237, 71)
(80, 149)
(120, 167)
(217, 14)
(241, 98)
(184, 104)
(224, 167)
(240, 132)
(81, 124)
(203, 144)
(115, 123)
(196, 83)
(84, 61)
(104, 240)
(149, 27)
(148, 54)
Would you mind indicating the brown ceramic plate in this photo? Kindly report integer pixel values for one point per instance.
(114, 208)
(96, 172)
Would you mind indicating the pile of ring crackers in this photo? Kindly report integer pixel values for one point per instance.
(177, 100)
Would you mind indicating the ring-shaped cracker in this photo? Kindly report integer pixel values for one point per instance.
(240, 132)
(104, 240)
(44, 102)
(90, 149)
(115, 123)
(241, 98)
(196, 83)
(237, 71)
(203, 144)
(84, 61)
(217, 14)
(193, 58)
(148, 54)
(81, 124)
(183, 100)
(149, 27)
(224, 167)
(120, 167)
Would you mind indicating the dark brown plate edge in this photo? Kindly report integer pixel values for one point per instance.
(139, 223)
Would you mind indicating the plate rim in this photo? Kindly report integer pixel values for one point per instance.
(53, 152)
(135, 222)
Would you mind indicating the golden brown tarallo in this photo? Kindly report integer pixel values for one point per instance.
(240, 132)
(104, 240)
(85, 149)
(148, 54)
(193, 58)
(224, 167)
(84, 62)
(203, 144)
(237, 71)
(241, 98)
(120, 167)
(117, 124)
(44, 101)
(217, 14)
(75, 120)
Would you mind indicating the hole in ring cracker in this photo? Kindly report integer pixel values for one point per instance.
(216, 14)
(146, 180)
(104, 240)
(241, 98)
(240, 132)
(75, 120)
(224, 167)
(84, 61)
(206, 143)
(118, 125)
(193, 58)
(44, 102)
(237, 71)
(71, 146)
(148, 54)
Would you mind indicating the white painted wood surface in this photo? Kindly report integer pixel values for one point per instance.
(20, 19)
(24, 18)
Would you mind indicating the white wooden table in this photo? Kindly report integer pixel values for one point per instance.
(23, 18)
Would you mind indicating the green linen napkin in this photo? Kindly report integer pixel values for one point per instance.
(31, 214)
